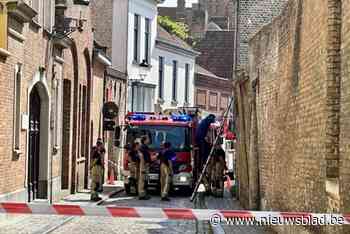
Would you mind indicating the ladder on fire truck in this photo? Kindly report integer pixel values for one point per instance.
(221, 129)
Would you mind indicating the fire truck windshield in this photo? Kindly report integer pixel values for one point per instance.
(178, 136)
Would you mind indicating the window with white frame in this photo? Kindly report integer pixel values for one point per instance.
(17, 107)
(161, 78)
(147, 39)
(136, 37)
(187, 78)
(174, 96)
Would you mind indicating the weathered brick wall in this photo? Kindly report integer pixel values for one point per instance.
(294, 74)
(77, 69)
(344, 143)
(294, 70)
(252, 15)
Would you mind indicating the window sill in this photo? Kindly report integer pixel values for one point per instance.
(139, 64)
(18, 36)
(4, 53)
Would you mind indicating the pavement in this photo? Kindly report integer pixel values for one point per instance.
(229, 203)
(40, 224)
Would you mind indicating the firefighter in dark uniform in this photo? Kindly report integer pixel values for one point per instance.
(145, 161)
(166, 170)
(134, 164)
(218, 171)
(96, 173)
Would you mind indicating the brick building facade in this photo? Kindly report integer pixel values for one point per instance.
(114, 81)
(292, 112)
(211, 92)
(46, 80)
(77, 92)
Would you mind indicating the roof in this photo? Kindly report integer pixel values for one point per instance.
(166, 37)
(202, 71)
(212, 26)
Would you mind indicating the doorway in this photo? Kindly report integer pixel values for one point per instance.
(34, 146)
(38, 142)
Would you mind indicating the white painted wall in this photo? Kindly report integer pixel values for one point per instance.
(145, 9)
(120, 35)
(181, 59)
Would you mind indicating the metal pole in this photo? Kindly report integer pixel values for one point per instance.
(194, 194)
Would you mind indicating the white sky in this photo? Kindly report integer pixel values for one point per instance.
(173, 3)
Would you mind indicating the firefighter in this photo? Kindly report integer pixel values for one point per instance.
(166, 170)
(145, 141)
(202, 139)
(218, 171)
(134, 164)
(143, 169)
(96, 173)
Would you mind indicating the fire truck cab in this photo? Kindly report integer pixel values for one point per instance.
(178, 130)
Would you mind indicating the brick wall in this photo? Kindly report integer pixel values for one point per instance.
(293, 85)
(77, 69)
(27, 47)
(252, 15)
(344, 138)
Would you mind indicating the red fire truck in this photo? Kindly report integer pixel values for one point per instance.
(179, 130)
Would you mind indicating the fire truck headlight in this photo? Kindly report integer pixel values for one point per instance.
(183, 178)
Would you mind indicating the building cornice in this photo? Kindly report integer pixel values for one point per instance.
(162, 44)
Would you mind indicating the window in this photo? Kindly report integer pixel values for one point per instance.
(147, 39)
(161, 77)
(201, 99)
(142, 98)
(136, 37)
(187, 77)
(174, 80)
(17, 106)
(48, 10)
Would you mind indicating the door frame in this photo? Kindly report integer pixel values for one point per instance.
(45, 158)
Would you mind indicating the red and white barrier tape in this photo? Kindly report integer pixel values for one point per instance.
(156, 213)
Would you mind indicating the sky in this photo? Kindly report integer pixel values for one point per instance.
(172, 3)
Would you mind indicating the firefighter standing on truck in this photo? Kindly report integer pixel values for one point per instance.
(218, 171)
(166, 170)
(143, 168)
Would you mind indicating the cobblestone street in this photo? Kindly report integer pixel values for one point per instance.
(39, 224)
